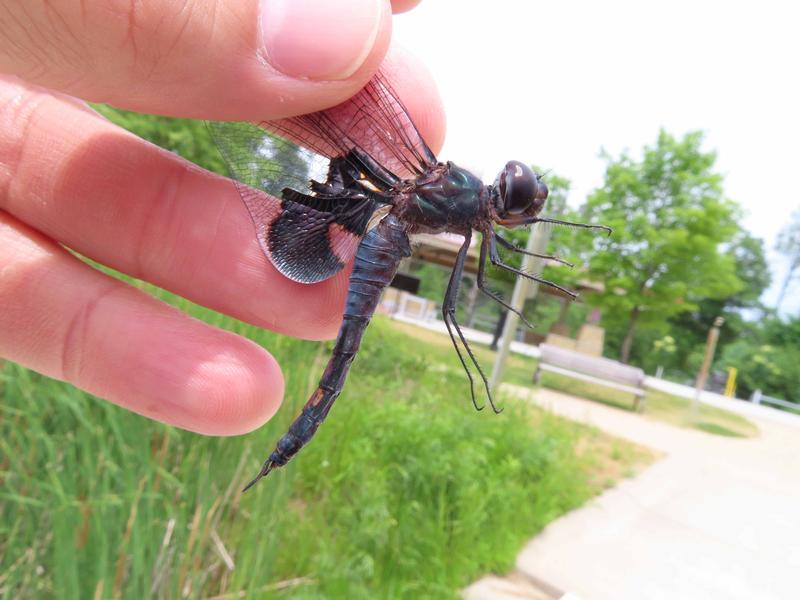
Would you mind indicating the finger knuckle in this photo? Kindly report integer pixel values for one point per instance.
(78, 333)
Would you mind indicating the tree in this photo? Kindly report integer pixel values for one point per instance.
(670, 220)
(767, 358)
(690, 328)
(751, 269)
(789, 244)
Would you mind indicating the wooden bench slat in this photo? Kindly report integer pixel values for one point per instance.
(601, 367)
(594, 369)
(592, 379)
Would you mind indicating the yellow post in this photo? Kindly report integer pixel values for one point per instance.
(730, 386)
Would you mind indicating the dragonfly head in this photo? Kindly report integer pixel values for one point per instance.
(518, 193)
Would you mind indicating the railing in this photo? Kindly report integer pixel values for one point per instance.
(759, 398)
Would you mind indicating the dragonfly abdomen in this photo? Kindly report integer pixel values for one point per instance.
(377, 259)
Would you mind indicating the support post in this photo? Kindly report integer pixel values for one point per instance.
(711, 346)
(523, 289)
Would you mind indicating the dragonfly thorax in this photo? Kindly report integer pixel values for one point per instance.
(447, 199)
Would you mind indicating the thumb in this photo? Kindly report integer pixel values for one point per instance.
(241, 59)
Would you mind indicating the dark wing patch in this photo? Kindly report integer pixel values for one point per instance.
(299, 245)
(309, 245)
(305, 244)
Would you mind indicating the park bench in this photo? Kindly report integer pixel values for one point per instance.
(595, 369)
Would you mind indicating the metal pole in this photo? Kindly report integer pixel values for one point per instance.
(537, 242)
(711, 346)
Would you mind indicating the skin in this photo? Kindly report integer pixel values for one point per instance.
(69, 179)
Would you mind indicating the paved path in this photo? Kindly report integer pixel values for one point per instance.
(716, 518)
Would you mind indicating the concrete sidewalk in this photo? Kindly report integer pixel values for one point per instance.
(716, 518)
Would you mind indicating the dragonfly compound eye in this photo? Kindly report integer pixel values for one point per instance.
(542, 191)
(519, 187)
(541, 195)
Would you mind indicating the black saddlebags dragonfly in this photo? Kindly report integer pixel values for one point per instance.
(356, 180)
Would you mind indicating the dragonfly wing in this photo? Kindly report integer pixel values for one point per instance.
(307, 237)
(265, 161)
(374, 121)
(310, 230)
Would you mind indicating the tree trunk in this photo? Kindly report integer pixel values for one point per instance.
(628, 341)
(498, 330)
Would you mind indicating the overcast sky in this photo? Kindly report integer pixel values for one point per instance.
(552, 83)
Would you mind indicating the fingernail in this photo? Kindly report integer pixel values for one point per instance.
(319, 39)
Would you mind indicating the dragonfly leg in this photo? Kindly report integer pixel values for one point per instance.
(482, 282)
(513, 247)
(605, 228)
(494, 257)
(450, 297)
(449, 311)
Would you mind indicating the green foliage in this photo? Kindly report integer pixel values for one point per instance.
(545, 312)
(433, 280)
(756, 363)
(662, 352)
(751, 269)
(670, 220)
(417, 523)
(187, 137)
(789, 245)
(691, 328)
(767, 358)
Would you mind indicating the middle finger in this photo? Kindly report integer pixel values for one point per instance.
(146, 212)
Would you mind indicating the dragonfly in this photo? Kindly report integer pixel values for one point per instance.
(352, 183)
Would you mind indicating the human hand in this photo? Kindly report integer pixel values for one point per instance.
(69, 178)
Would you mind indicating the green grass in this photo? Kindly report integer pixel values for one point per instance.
(660, 406)
(406, 492)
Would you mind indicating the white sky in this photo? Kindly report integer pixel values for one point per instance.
(552, 83)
